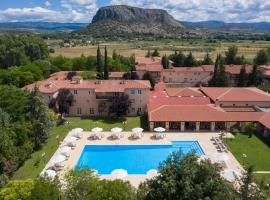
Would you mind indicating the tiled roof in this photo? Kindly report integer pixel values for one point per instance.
(265, 120)
(235, 69)
(236, 94)
(150, 67)
(204, 113)
(184, 92)
(49, 86)
(147, 61)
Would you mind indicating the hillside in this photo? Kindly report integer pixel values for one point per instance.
(125, 21)
(214, 26)
(41, 26)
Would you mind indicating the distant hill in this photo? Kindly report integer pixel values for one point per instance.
(42, 26)
(217, 26)
(122, 21)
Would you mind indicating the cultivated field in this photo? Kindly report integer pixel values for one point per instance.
(198, 47)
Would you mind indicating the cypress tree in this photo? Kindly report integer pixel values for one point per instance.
(99, 64)
(106, 67)
(242, 82)
(148, 55)
(222, 80)
(213, 81)
(190, 61)
(253, 76)
(207, 60)
(165, 62)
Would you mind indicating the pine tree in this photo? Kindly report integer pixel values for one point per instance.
(213, 81)
(261, 57)
(253, 78)
(40, 118)
(219, 78)
(99, 64)
(242, 82)
(222, 80)
(207, 60)
(190, 61)
(231, 55)
(106, 67)
(165, 62)
(114, 55)
(148, 55)
(155, 53)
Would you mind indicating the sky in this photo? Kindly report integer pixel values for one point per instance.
(183, 10)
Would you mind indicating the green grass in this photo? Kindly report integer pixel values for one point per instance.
(257, 151)
(31, 170)
(262, 177)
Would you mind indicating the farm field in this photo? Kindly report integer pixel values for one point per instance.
(198, 47)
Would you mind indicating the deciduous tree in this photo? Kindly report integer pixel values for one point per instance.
(119, 105)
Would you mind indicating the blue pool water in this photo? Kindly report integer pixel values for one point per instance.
(136, 159)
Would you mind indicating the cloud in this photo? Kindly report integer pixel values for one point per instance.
(183, 10)
(47, 3)
(40, 14)
(200, 10)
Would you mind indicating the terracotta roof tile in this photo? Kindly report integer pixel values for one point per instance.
(48, 86)
(198, 113)
(184, 92)
(236, 94)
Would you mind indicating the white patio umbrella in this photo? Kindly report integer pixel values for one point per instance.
(48, 173)
(64, 149)
(231, 175)
(58, 159)
(228, 135)
(116, 130)
(152, 173)
(137, 130)
(77, 130)
(97, 130)
(159, 129)
(119, 173)
(70, 139)
(220, 157)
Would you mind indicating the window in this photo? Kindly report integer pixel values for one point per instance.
(79, 111)
(139, 92)
(89, 92)
(132, 92)
(49, 97)
(75, 91)
(91, 111)
(139, 109)
(132, 109)
(132, 100)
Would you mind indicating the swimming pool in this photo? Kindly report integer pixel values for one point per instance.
(136, 159)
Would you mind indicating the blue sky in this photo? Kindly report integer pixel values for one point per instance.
(185, 10)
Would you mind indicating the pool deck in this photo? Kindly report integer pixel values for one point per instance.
(204, 140)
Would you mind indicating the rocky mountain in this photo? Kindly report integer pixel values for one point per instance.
(126, 21)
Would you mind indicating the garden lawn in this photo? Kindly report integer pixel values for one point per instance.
(34, 165)
(262, 177)
(257, 151)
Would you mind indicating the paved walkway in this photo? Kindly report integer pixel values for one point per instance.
(204, 140)
(262, 172)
